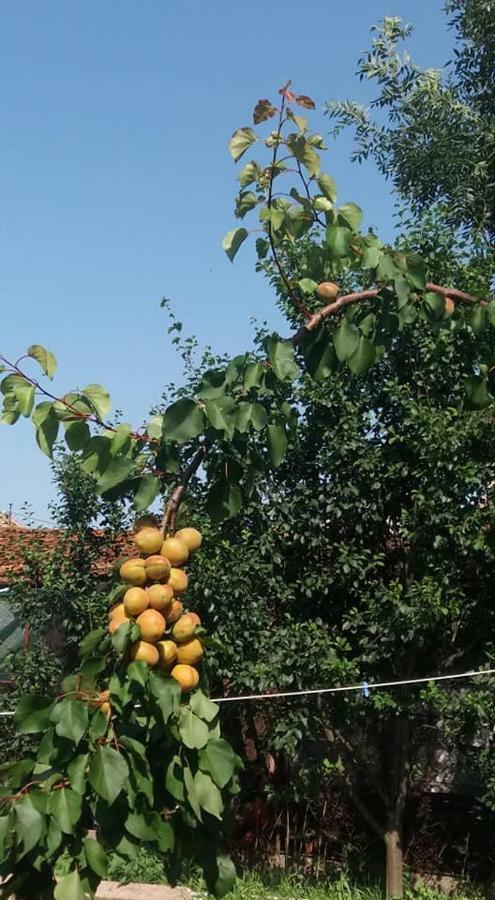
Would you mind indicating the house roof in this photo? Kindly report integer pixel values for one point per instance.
(16, 541)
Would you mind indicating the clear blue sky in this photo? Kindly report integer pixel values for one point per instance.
(116, 185)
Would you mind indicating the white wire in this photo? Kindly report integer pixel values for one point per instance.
(336, 690)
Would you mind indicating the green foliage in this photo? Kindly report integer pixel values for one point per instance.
(434, 129)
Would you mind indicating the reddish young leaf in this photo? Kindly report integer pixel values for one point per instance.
(263, 111)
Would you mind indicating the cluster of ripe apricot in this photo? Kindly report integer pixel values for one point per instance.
(155, 580)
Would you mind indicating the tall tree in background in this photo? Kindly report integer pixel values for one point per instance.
(432, 131)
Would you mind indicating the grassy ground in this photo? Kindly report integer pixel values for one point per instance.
(147, 867)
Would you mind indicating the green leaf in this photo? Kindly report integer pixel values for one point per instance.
(137, 825)
(435, 305)
(212, 385)
(246, 201)
(249, 173)
(96, 857)
(277, 444)
(351, 215)
(115, 473)
(46, 424)
(253, 376)
(89, 643)
(233, 240)
(193, 731)
(65, 806)
(70, 887)
(250, 414)
(166, 692)
(147, 491)
(339, 239)
(478, 318)
(218, 759)
(121, 638)
(164, 834)
(120, 439)
(327, 186)
(346, 340)
(96, 455)
(226, 877)
(209, 797)
(224, 500)
(45, 359)
(477, 394)
(154, 427)
(221, 414)
(262, 248)
(190, 791)
(174, 782)
(319, 355)
(76, 771)
(282, 357)
(72, 719)
(77, 434)
(402, 289)
(29, 824)
(240, 141)
(108, 773)
(363, 357)
(99, 399)
(307, 285)
(25, 398)
(203, 707)
(5, 825)
(183, 421)
(305, 153)
(32, 714)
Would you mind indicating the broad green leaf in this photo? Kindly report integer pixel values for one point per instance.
(416, 270)
(65, 806)
(25, 398)
(46, 424)
(339, 239)
(226, 878)
(319, 355)
(32, 714)
(183, 421)
(209, 797)
(277, 444)
(235, 368)
(221, 414)
(203, 707)
(137, 825)
(121, 638)
(72, 719)
(305, 153)
(283, 359)
(29, 823)
(45, 359)
(363, 357)
(233, 240)
(490, 312)
(99, 399)
(115, 473)
(120, 439)
(5, 825)
(174, 780)
(262, 248)
(246, 201)
(96, 856)
(307, 285)
(250, 414)
(108, 773)
(70, 887)
(53, 836)
(253, 376)
(386, 269)
(164, 832)
(351, 214)
(478, 395)
(218, 759)
(154, 427)
(402, 289)
(76, 771)
(327, 186)
(435, 305)
(166, 692)
(89, 643)
(190, 791)
(77, 434)
(249, 173)
(478, 319)
(147, 491)
(212, 385)
(96, 455)
(240, 141)
(224, 500)
(193, 731)
(346, 340)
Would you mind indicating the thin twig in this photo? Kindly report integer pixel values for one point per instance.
(175, 499)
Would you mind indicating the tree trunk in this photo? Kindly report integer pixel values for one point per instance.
(393, 847)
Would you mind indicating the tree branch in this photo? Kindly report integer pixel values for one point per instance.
(175, 499)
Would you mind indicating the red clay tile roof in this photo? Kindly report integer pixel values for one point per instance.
(15, 541)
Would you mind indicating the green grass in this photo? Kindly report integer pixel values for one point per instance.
(273, 885)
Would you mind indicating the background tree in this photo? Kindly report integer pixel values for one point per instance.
(432, 131)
